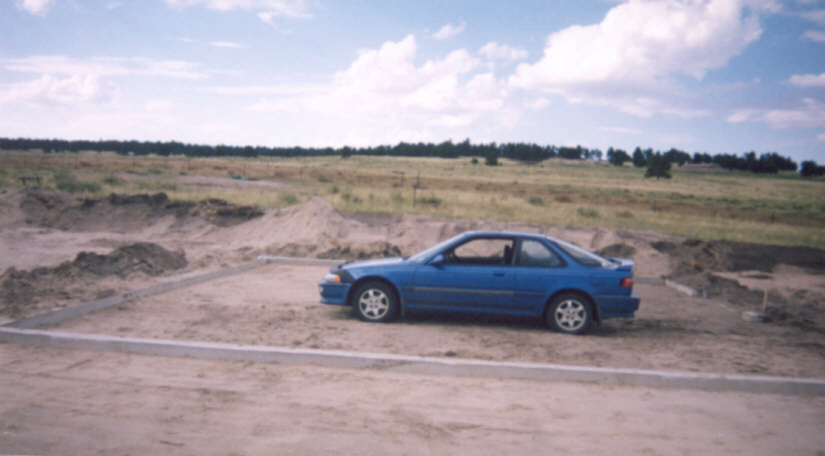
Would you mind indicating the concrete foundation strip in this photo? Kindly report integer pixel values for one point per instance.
(57, 316)
(417, 364)
(20, 332)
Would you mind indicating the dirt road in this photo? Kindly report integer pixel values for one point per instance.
(66, 402)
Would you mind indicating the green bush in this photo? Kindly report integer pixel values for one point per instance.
(65, 181)
(535, 201)
(588, 212)
(113, 180)
(430, 200)
(288, 198)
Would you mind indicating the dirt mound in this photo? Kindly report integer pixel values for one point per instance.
(19, 288)
(49, 208)
(617, 251)
(694, 256)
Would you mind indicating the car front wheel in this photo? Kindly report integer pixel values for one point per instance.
(570, 313)
(375, 302)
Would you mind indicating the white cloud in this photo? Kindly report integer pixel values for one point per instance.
(622, 130)
(630, 59)
(815, 16)
(267, 10)
(815, 35)
(158, 106)
(449, 31)
(104, 66)
(37, 7)
(810, 115)
(227, 44)
(385, 87)
(51, 90)
(538, 104)
(808, 80)
(495, 51)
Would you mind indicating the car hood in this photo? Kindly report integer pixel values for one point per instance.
(370, 263)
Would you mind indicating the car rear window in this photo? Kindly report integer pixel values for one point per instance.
(536, 254)
(582, 256)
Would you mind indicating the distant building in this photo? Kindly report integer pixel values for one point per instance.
(703, 168)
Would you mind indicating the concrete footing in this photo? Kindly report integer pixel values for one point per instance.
(417, 364)
(21, 332)
(57, 316)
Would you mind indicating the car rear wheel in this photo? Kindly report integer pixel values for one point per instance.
(570, 313)
(375, 302)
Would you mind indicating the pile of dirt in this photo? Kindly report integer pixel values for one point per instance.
(695, 256)
(717, 269)
(367, 251)
(20, 288)
(49, 208)
(617, 251)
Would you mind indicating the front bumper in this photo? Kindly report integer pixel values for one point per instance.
(333, 293)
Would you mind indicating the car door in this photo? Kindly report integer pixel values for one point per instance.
(477, 274)
(539, 271)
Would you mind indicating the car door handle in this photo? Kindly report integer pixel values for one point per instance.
(498, 274)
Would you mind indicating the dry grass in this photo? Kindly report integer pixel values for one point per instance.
(737, 206)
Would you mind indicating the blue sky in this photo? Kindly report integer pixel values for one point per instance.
(716, 76)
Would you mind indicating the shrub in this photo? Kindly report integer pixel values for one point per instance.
(491, 159)
(588, 212)
(113, 180)
(625, 214)
(430, 200)
(65, 181)
(535, 200)
(288, 199)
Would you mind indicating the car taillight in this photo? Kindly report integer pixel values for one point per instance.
(627, 282)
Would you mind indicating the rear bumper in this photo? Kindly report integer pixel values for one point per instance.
(333, 293)
(618, 306)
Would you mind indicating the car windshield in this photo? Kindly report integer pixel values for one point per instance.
(582, 256)
(423, 256)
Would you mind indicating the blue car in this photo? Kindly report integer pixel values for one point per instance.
(490, 272)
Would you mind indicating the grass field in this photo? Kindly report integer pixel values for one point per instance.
(782, 209)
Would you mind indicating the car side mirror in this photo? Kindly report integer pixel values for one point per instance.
(438, 260)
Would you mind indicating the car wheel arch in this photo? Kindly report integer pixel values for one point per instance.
(357, 284)
(594, 309)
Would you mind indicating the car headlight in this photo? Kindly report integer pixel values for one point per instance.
(330, 277)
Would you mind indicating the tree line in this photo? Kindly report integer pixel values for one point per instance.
(769, 162)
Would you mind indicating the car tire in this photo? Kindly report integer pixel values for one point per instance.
(375, 302)
(570, 313)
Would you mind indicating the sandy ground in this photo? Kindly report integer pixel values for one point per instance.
(277, 305)
(66, 402)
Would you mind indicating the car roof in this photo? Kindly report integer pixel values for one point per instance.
(505, 233)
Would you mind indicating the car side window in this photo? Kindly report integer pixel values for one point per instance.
(482, 252)
(535, 254)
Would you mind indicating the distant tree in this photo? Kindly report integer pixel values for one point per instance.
(811, 169)
(639, 159)
(617, 157)
(658, 167)
(346, 152)
(492, 158)
(675, 155)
